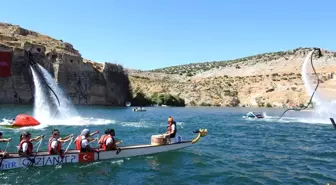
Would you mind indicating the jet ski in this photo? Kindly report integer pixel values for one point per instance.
(6, 121)
(139, 109)
(254, 115)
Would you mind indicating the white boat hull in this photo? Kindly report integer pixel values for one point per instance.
(140, 150)
(73, 156)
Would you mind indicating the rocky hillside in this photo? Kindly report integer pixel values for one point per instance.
(270, 79)
(85, 81)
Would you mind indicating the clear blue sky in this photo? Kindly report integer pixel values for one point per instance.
(148, 34)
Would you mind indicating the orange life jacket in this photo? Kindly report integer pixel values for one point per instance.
(58, 148)
(30, 147)
(104, 146)
(101, 141)
(170, 131)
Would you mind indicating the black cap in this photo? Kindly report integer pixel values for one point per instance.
(107, 131)
(55, 130)
(25, 134)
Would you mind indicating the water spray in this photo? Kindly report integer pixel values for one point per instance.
(318, 82)
(34, 65)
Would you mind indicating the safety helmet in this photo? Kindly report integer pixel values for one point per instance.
(85, 132)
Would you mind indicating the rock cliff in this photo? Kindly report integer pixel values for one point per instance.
(86, 82)
(264, 80)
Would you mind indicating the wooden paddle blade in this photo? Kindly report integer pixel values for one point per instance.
(333, 122)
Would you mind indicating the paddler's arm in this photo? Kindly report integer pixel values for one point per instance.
(36, 138)
(94, 133)
(92, 139)
(67, 137)
(5, 140)
(117, 141)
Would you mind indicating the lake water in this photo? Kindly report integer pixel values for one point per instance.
(298, 150)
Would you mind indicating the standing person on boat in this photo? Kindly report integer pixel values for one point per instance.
(3, 154)
(26, 146)
(171, 129)
(83, 140)
(109, 142)
(55, 142)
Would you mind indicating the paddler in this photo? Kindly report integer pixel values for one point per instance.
(101, 140)
(171, 129)
(108, 141)
(4, 154)
(82, 141)
(26, 146)
(55, 142)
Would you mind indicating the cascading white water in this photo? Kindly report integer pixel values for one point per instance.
(66, 108)
(42, 108)
(324, 108)
(46, 105)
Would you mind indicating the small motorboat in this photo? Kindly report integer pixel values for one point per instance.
(254, 115)
(21, 120)
(6, 121)
(139, 109)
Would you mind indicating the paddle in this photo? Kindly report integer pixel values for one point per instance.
(2, 158)
(32, 161)
(62, 156)
(68, 146)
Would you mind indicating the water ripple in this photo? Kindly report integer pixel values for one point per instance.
(236, 151)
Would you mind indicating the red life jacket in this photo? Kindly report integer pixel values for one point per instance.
(78, 142)
(104, 146)
(30, 146)
(58, 148)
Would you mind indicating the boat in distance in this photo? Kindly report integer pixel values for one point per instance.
(14, 161)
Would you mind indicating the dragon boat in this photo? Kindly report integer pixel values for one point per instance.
(158, 144)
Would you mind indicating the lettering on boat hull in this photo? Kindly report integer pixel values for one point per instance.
(38, 161)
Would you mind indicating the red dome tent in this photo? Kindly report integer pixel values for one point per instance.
(23, 120)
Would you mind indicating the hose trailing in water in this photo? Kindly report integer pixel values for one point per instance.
(318, 82)
(33, 63)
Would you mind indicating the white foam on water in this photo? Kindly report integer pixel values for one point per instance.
(310, 120)
(74, 121)
(135, 124)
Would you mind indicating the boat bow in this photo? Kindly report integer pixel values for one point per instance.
(201, 133)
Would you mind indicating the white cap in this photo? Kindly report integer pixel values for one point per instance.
(85, 132)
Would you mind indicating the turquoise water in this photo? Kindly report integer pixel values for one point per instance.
(235, 151)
